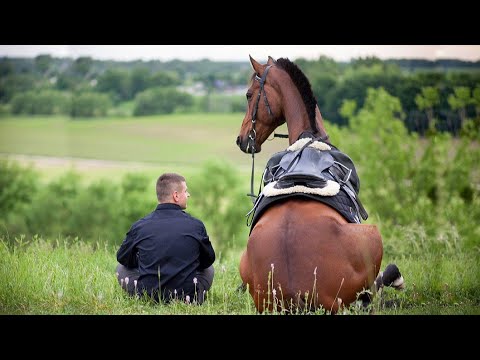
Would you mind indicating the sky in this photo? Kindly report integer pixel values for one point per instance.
(242, 52)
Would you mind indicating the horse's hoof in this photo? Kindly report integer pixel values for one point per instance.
(393, 278)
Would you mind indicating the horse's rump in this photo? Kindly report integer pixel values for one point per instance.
(311, 257)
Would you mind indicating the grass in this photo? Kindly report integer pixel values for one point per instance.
(70, 277)
(153, 145)
(154, 140)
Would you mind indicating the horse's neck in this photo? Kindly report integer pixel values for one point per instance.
(321, 127)
(296, 115)
(299, 124)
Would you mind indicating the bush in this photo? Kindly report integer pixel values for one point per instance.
(44, 102)
(161, 101)
(89, 104)
(136, 200)
(218, 199)
(18, 186)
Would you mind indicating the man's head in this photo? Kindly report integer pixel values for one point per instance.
(172, 188)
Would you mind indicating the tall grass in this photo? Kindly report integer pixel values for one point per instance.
(67, 276)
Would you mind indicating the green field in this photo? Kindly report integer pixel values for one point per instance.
(175, 142)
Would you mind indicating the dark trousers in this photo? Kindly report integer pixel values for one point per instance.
(127, 278)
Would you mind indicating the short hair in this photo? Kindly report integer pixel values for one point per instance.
(168, 183)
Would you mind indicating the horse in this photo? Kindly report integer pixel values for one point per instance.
(303, 254)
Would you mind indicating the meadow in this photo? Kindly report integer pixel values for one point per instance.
(432, 235)
(180, 142)
(74, 278)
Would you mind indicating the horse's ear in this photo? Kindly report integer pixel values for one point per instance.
(271, 61)
(256, 65)
(318, 114)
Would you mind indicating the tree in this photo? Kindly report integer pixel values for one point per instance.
(429, 98)
(459, 100)
(116, 82)
(476, 100)
(139, 80)
(208, 81)
(6, 67)
(471, 127)
(82, 66)
(43, 63)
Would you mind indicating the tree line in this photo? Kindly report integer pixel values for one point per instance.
(437, 95)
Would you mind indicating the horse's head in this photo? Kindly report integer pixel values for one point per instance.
(279, 92)
(264, 112)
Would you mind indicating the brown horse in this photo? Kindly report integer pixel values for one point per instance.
(302, 253)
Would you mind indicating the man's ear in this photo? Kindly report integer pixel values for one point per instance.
(175, 196)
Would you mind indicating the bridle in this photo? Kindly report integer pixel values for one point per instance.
(253, 134)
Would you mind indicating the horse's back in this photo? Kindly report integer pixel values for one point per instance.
(310, 249)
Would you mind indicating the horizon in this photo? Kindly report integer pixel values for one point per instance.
(234, 53)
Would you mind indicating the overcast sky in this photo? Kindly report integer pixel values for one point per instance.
(241, 52)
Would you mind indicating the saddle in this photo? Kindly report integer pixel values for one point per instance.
(313, 169)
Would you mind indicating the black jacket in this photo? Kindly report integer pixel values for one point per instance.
(170, 245)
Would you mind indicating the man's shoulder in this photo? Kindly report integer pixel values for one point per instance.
(143, 220)
(193, 219)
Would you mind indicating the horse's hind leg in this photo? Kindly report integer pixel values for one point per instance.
(366, 299)
(392, 277)
(244, 272)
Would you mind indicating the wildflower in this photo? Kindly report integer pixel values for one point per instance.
(224, 268)
(315, 271)
(272, 266)
(127, 280)
(274, 292)
(195, 280)
(187, 299)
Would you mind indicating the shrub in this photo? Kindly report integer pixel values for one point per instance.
(89, 104)
(18, 186)
(160, 101)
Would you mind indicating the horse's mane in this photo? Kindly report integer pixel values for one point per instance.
(303, 86)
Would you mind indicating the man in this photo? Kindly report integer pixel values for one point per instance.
(167, 254)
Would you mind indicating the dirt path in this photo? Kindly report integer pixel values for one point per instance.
(45, 162)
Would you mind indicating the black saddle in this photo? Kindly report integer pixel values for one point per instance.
(291, 180)
(312, 168)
